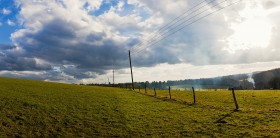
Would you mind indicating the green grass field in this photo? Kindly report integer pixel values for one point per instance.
(43, 109)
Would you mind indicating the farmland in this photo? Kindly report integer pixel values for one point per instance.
(45, 109)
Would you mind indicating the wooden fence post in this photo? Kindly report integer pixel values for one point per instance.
(145, 88)
(193, 95)
(139, 88)
(155, 91)
(234, 98)
(169, 93)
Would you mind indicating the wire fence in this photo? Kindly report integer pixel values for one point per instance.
(212, 98)
(247, 100)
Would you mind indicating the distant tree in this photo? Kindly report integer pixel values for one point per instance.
(261, 85)
(274, 83)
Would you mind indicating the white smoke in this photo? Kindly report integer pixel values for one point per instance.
(250, 79)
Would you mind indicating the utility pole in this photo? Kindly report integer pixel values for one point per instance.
(131, 69)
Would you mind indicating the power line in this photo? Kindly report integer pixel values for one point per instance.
(171, 23)
(163, 37)
(168, 25)
(183, 22)
(174, 22)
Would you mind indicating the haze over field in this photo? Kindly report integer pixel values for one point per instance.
(82, 41)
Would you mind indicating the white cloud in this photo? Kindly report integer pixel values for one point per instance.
(6, 11)
(252, 31)
(11, 23)
(120, 5)
(93, 4)
(133, 2)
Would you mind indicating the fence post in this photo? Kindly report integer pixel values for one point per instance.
(155, 91)
(193, 95)
(234, 98)
(139, 88)
(145, 88)
(169, 93)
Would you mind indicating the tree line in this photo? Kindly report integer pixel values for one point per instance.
(260, 80)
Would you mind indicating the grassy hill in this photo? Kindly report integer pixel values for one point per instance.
(43, 109)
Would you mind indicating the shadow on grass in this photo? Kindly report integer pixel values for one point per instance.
(166, 99)
(184, 102)
(221, 120)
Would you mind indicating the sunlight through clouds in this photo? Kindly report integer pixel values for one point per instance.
(253, 30)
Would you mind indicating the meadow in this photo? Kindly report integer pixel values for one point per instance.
(45, 109)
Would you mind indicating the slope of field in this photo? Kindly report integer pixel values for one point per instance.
(42, 109)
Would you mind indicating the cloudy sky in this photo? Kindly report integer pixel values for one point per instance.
(82, 41)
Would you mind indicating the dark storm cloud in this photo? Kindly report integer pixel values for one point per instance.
(49, 75)
(12, 59)
(6, 46)
(58, 43)
(93, 37)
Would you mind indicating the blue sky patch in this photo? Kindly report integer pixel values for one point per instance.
(105, 6)
(5, 28)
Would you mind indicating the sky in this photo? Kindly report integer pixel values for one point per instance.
(83, 41)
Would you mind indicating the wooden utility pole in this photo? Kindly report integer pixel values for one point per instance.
(131, 69)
